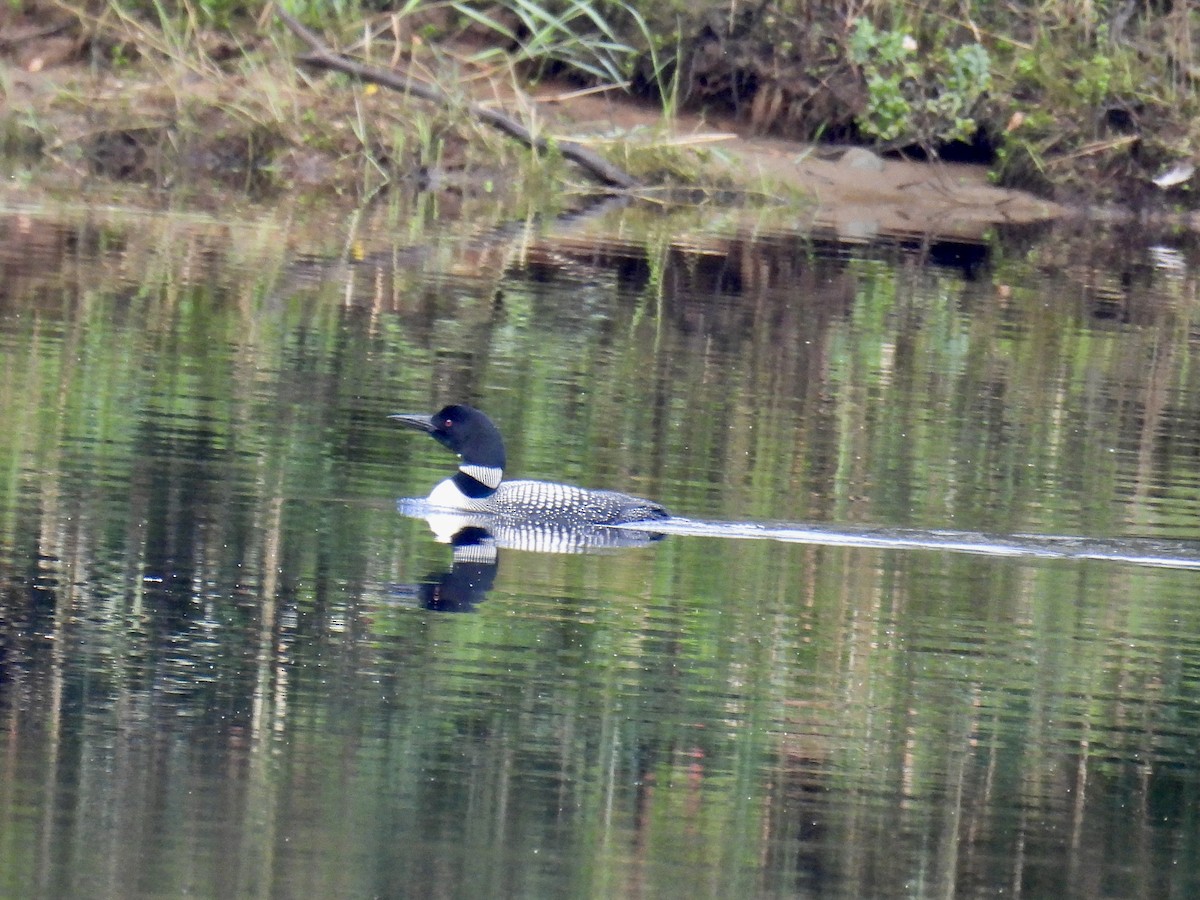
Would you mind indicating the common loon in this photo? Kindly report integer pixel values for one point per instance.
(478, 485)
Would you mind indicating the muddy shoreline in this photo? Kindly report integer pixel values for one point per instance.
(98, 139)
(273, 128)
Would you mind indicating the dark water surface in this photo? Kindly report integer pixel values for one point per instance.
(229, 665)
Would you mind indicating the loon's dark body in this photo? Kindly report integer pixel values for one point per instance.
(478, 485)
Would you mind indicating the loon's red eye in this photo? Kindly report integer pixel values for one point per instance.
(449, 422)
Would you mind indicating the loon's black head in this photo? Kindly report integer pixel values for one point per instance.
(463, 429)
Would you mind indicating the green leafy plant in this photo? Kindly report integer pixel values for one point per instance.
(927, 98)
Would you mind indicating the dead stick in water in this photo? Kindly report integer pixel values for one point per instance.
(323, 58)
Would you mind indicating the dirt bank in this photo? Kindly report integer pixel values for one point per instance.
(242, 116)
(849, 189)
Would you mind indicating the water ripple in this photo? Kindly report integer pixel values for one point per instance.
(1136, 551)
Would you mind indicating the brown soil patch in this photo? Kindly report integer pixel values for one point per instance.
(853, 191)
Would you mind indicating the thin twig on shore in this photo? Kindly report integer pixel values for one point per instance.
(323, 58)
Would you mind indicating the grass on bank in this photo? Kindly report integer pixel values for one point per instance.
(232, 102)
(1062, 96)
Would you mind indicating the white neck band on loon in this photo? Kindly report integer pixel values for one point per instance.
(475, 482)
(487, 475)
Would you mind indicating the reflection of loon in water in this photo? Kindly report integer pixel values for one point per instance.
(468, 580)
(479, 486)
(477, 541)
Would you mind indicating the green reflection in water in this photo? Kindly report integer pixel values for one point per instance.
(215, 681)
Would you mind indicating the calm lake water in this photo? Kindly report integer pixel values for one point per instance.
(231, 667)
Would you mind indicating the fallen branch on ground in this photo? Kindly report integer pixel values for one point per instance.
(323, 58)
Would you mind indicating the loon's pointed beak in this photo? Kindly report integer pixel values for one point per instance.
(411, 420)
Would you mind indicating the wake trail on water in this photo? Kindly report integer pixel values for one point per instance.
(1137, 551)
